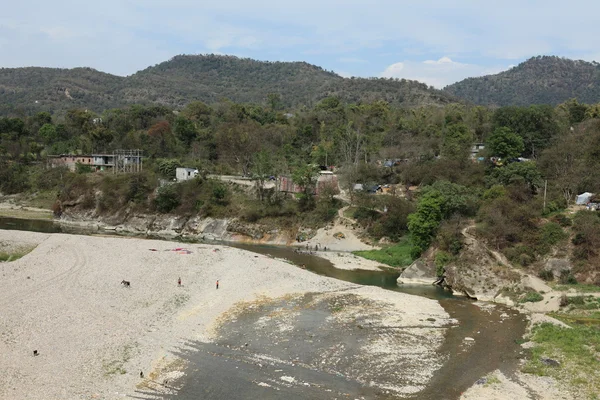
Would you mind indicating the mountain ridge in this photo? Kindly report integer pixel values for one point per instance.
(208, 78)
(538, 80)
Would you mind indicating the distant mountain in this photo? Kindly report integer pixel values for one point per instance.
(207, 78)
(539, 80)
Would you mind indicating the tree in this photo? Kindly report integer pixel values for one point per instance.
(438, 202)
(262, 169)
(185, 130)
(504, 143)
(457, 142)
(518, 172)
(48, 133)
(305, 176)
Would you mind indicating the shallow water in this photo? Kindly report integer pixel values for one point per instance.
(495, 331)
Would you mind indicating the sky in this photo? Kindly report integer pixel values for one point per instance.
(433, 41)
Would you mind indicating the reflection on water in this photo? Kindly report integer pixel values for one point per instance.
(385, 279)
(30, 225)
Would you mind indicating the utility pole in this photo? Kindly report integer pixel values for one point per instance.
(545, 190)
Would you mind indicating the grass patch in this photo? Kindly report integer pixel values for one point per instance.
(8, 256)
(397, 255)
(531, 297)
(25, 214)
(117, 367)
(349, 212)
(576, 350)
(578, 287)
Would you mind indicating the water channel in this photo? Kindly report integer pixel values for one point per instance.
(496, 330)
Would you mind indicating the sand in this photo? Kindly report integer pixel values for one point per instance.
(348, 261)
(94, 335)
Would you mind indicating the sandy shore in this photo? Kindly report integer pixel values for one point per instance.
(94, 336)
(349, 261)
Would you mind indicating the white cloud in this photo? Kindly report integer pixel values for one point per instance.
(437, 73)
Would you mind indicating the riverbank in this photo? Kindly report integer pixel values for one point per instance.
(16, 211)
(94, 336)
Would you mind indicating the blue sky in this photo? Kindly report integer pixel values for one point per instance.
(436, 42)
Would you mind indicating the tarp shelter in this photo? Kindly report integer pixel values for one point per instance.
(584, 198)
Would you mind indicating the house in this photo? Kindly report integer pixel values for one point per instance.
(584, 198)
(70, 160)
(185, 174)
(103, 162)
(286, 184)
(97, 162)
(475, 149)
(327, 179)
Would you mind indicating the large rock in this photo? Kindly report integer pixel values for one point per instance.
(479, 274)
(420, 272)
(557, 265)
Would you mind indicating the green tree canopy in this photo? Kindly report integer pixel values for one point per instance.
(504, 143)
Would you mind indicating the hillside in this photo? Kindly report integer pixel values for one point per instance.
(207, 78)
(539, 80)
(32, 89)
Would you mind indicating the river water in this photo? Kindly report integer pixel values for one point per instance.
(495, 330)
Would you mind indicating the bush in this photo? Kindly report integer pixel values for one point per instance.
(83, 168)
(546, 275)
(13, 178)
(562, 220)
(551, 234)
(441, 260)
(531, 297)
(567, 278)
(167, 199)
(564, 300)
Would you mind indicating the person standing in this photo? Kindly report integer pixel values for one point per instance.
(179, 281)
(217, 283)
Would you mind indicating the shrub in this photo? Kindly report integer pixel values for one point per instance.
(83, 168)
(562, 220)
(567, 278)
(531, 297)
(546, 275)
(564, 300)
(441, 260)
(551, 234)
(167, 199)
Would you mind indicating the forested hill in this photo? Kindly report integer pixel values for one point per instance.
(207, 78)
(539, 80)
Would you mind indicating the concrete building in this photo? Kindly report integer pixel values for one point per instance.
(184, 174)
(98, 162)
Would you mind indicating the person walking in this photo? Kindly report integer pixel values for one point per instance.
(179, 281)
(217, 283)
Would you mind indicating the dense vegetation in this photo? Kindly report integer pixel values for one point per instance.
(207, 78)
(431, 145)
(539, 80)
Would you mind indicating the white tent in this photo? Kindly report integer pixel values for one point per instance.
(584, 198)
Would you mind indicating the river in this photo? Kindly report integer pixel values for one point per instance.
(496, 330)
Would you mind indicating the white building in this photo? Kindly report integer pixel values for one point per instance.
(184, 174)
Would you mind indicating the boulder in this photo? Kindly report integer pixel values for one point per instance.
(421, 272)
(557, 265)
(477, 273)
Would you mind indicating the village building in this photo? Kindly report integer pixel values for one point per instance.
(97, 162)
(185, 174)
(325, 180)
(475, 149)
